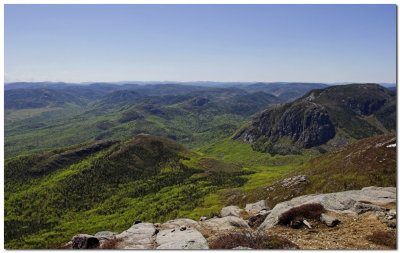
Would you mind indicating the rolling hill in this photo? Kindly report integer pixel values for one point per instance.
(51, 196)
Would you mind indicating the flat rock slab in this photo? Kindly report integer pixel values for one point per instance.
(105, 235)
(353, 202)
(229, 223)
(139, 236)
(177, 239)
(230, 211)
(257, 207)
(180, 222)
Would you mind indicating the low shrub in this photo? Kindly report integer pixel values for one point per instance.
(244, 215)
(310, 211)
(251, 240)
(111, 244)
(383, 238)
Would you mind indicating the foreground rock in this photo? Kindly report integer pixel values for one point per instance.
(329, 221)
(255, 208)
(178, 223)
(352, 202)
(230, 211)
(139, 236)
(105, 235)
(181, 239)
(219, 225)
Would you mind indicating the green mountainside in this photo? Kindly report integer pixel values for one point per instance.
(53, 195)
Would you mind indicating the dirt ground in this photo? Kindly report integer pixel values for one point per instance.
(351, 233)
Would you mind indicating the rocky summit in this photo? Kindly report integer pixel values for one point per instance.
(308, 216)
(334, 115)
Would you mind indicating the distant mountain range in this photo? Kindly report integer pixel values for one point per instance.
(35, 116)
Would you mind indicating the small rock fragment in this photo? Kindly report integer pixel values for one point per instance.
(329, 221)
(182, 228)
(307, 224)
(203, 218)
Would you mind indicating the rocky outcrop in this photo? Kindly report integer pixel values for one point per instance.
(176, 239)
(314, 119)
(230, 211)
(178, 223)
(105, 235)
(342, 202)
(255, 208)
(218, 225)
(190, 234)
(139, 236)
(303, 122)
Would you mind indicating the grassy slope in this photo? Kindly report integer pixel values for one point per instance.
(367, 162)
(147, 178)
(267, 168)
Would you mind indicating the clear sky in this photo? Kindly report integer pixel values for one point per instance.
(310, 43)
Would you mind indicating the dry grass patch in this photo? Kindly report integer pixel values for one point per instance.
(385, 238)
(251, 240)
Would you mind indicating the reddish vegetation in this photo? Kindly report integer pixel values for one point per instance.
(251, 240)
(308, 211)
(111, 244)
(385, 238)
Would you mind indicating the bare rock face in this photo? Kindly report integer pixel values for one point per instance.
(254, 208)
(139, 236)
(218, 225)
(105, 235)
(342, 202)
(303, 122)
(181, 239)
(230, 211)
(84, 241)
(178, 223)
(294, 181)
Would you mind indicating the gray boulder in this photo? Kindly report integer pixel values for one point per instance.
(139, 236)
(230, 211)
(342, 202)
(254, 208)
(85, 241)
(328, 220)
(177, 239)
(361, 208)
(178, 223)
(217, 225)
(105, 235)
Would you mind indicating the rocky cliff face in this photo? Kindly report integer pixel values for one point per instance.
(359, 111)
(305, 122)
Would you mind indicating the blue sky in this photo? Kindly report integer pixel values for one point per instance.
(310, 43)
